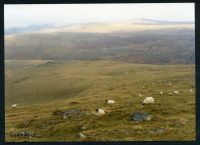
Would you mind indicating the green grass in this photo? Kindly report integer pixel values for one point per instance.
(40, 88)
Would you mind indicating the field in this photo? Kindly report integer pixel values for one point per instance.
(44, 88)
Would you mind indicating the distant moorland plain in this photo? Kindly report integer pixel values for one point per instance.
(127, 42)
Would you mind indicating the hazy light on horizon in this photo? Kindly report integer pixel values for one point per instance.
(61, 14)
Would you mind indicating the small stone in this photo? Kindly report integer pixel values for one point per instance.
(83, 128)
(147, 118)
(65, 117)
(67, 114)
(141, 116)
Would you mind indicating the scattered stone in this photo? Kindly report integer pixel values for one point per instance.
(71, 113)
(83, 128)
(67, 114)
(141, 116)
(65, 117)
(140, 95)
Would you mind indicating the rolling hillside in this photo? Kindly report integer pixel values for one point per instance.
(149, 43)
(73, 69)
(43, 87)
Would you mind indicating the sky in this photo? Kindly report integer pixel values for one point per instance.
(64, 14)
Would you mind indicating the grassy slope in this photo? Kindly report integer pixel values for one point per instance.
(40, 89)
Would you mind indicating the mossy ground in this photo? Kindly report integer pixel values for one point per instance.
(40, 88)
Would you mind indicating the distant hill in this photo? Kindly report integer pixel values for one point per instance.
(167, 22)
(131, 41)
(16, 30)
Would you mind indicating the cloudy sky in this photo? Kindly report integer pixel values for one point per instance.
(63, 14)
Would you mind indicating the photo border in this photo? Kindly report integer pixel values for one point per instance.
(197, 69)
